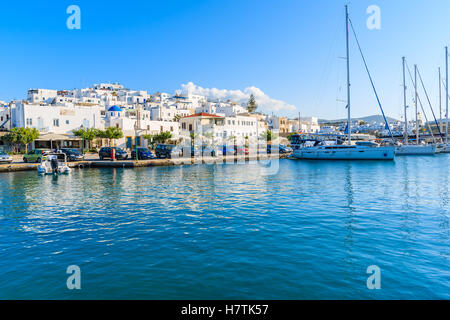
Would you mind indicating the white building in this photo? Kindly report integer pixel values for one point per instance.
(134, 129)
(61, 119)
(226, 109)
(5, 123)
(41, 95)
(219, 129)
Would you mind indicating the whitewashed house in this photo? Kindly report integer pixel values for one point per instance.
(219, 129)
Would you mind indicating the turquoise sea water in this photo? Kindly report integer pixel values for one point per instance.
(227, 232)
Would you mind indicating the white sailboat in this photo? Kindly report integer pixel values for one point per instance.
(412, 149)
(416, 149)
(446, 144)
(359, 151)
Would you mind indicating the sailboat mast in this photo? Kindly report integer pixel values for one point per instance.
(446, 95)
(348, 79)
(440, 100)
(415, 102)
(404, 101)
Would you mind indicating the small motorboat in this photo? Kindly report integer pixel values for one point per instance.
(56, 163)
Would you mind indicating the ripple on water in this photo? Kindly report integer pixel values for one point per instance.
(226, 231)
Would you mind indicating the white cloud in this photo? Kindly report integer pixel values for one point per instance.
(265, 103)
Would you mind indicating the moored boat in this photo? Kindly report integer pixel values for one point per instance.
(416, 149)
(360, 151)
(364, 150)
(56, 163)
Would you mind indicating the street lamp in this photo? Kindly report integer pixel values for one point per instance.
(82, 139)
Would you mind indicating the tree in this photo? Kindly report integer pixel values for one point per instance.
(162, 137)
(87, 134)
(112, 133)
(29, 135)
(251, 104)
(177, 117)
(12, 138)
(292, 134)
(149, 138)
(268, 135)
(21, 136)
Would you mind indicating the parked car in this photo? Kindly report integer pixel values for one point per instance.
(211, 151)
(164, 151)
(285, 149)
(282, 149)
(105, 153)
(228, 150)
(143, 154)
(196, 151)
(178, 151)
(36, 155)
(72, 154)
(241, 151)
(4, 157)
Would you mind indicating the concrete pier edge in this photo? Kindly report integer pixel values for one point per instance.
(15, 167)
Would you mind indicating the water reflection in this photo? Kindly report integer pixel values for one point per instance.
(349, 218)
(225, 231)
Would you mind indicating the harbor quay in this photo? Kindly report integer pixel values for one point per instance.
(96, 163)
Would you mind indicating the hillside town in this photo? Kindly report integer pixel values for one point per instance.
(132, 117)
(59, 114)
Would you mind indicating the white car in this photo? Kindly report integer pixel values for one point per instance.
(5, 158)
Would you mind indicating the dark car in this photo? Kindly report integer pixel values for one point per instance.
(72, 154)
(282, 149)
(163, 151)
(143, 154)
(105, 153)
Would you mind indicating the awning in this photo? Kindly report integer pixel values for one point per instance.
(56, 137)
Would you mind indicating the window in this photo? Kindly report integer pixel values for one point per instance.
(56, 122)
(190, 127)
(171, 129)
(67, 122)
(183, 125)
(29, 122)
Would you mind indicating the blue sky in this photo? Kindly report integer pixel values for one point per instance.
(289, 49)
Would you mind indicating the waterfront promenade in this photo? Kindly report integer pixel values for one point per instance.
(92, 161)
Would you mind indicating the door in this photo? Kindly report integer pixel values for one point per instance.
(129, 143)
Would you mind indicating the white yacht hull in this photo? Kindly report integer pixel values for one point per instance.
(345, 153)
(412, 149)
(445, 148)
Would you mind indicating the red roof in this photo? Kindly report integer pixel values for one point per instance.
(203, 114)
